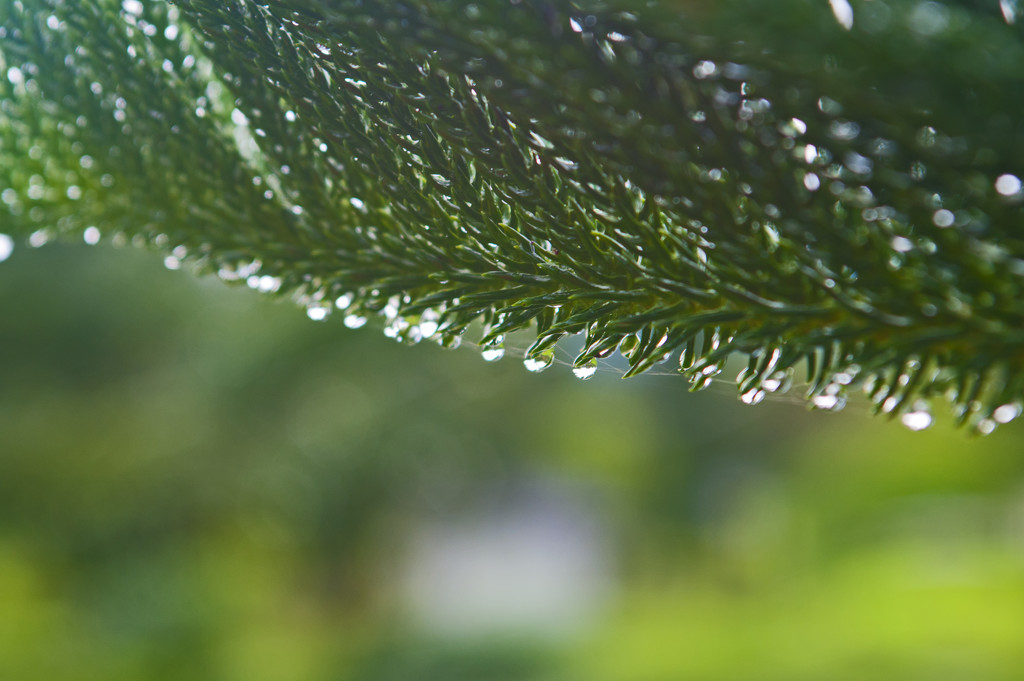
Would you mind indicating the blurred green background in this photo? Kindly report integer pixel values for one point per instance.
(197, 482)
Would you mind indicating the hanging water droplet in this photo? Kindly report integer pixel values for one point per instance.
(428, 328)
(1009, 9)
(918, 419)
(6, 247)
(492, 353)
(318, 313)
(354, 321)
(843, 13)
(268, 284)
(91, 235)
(585, 371)
(449, 340)
(985, 426)
(494, 350)
(829, 402)
(539, 362)
(700, 382)
(1006, 412)
(753, 396)
(711, 370)
(343, 301)
(902, 244)
(929, 18)
(1008, 185)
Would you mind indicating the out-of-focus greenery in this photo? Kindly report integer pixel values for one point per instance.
(196, 483)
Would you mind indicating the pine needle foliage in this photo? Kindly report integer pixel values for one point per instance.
(827, 187)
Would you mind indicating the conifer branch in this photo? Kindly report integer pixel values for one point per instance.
(809, 184)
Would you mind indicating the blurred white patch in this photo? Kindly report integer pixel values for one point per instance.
(537, 563)
(843, 12)
(6, 247)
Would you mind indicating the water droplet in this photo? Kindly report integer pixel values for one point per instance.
(38, 238)
(700, 382)
(844, 130)
(15, 76)
(929, 18)
(354, 321)
(268, 284)
(843, 13)
(91, 235)
(829, 402)
(943, 218)
(428, 328)
(919, 419)
(753, 396)
(585, 371)
(132, 7)
(1006, 412)
(343, 301)
(902, 244)
(6, 247)
(704, 69)
(492, 353)
(1008, 185)
(812, 182)
(317, 313)
(985, 426)
(780, 381)
(1009, 9)
(449, 340)
(539, 362)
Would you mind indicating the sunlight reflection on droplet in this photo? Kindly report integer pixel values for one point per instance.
(1006, 413)
(492, 354)
(1008, 185)
(91, 235)
(902, 244)
(6, 247)
(133, 7)
(317, 314)
(585, 371)
(753, 396)
(38, 238)
(843, 13)
(539, 362)
(1009, 10)
(917, 420)
(943, 218)
(354, 321)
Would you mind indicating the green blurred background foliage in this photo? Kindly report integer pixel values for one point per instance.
(198, 483)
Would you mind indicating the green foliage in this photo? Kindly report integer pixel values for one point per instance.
(682, 181)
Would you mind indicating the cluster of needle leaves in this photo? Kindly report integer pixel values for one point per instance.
(837, 199)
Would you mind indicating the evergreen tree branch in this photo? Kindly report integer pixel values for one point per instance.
(683, 181)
